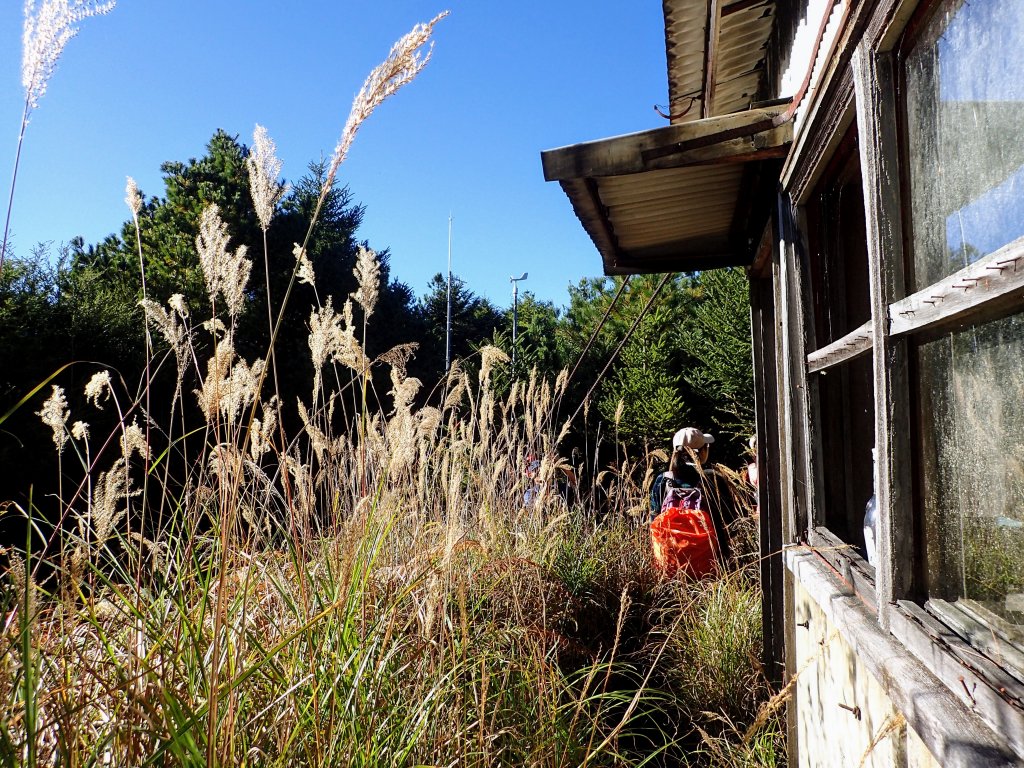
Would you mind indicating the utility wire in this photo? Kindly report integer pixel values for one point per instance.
(622, 343)
(553, 413)
(597, 330)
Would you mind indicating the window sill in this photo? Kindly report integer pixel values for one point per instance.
(847, 563)
(957, 735)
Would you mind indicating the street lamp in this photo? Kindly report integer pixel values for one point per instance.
(515, 314)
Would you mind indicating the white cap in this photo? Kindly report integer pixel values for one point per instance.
(692, 438)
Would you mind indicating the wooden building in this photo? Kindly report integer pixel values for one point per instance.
(865, 162)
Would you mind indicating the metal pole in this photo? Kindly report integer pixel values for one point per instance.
(515, 315)
(515, 321)
(448, 322)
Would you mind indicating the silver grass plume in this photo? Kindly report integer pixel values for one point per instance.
(305, 273)
(167, 323)
(225, 272)
(98, 387)
(55, 415)
(490, 355)
(368, 274)
(80, 431)
(324, 330)
(404, 62)
(133, 198)
(228, 389)
(318, 440)
(133, 439)
(347, 349)
(111, 487)
(261, 434)
(264, 170)
(47, 28)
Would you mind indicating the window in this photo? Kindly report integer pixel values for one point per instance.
(964, 83)
(962, 78)
(842, 382)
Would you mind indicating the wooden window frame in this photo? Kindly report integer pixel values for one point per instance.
(993, 285)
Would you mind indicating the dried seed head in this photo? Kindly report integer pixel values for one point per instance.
(132, 439)
(167, 323)
(347, 349)
(403, 63)
(262, 432)
(225, 272)
(177, 303)
(111, 487)
(55, 415)
(305, 273)
(133, 198)
(80, 431)
(368, 274)
(490, 355)
(99, 387)
(398, 356)
(264, 170)
(47, 29)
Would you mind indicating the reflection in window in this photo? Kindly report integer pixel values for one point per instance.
(972, 414)
(965, 105)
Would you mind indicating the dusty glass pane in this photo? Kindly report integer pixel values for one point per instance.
(965, 107)
(972, 414)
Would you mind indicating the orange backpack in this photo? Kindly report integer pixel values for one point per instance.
(683, 535)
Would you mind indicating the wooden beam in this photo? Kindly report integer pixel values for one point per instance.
(996, 279)
(744, 136)
(874, 81)
(711, 57)
(854, 344)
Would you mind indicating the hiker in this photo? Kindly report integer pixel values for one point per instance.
(566, 484)
(532, 480)
(689, 468)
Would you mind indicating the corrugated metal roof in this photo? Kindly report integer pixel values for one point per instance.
(737, 33)
(673, 198)
(653, 199)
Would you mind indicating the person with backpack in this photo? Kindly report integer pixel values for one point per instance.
(690, 506)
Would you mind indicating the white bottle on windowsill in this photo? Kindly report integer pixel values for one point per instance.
(871, 515)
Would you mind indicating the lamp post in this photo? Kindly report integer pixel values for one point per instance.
(515, 315)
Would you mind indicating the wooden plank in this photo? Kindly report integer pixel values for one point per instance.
(711, 58)
(955, 734)
(852, 569)
(823, 127)
(762, 312)
(741, 134)
(874, 83)
(799, 402)
(996, 279)
(854, 344)
(979, 686)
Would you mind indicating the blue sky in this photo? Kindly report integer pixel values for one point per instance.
(153, 80)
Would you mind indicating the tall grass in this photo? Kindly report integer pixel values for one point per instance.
(369, 591)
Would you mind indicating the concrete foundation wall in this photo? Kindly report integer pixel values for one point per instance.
(844, 717)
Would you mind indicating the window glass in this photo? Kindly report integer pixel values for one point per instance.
(837, 236)
(971, 388)
(964, 82)
(846, 415)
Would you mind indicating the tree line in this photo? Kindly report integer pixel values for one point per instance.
(687, 361)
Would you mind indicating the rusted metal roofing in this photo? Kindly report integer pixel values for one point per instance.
(716, 54)
(685, 196)
(670, 198)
